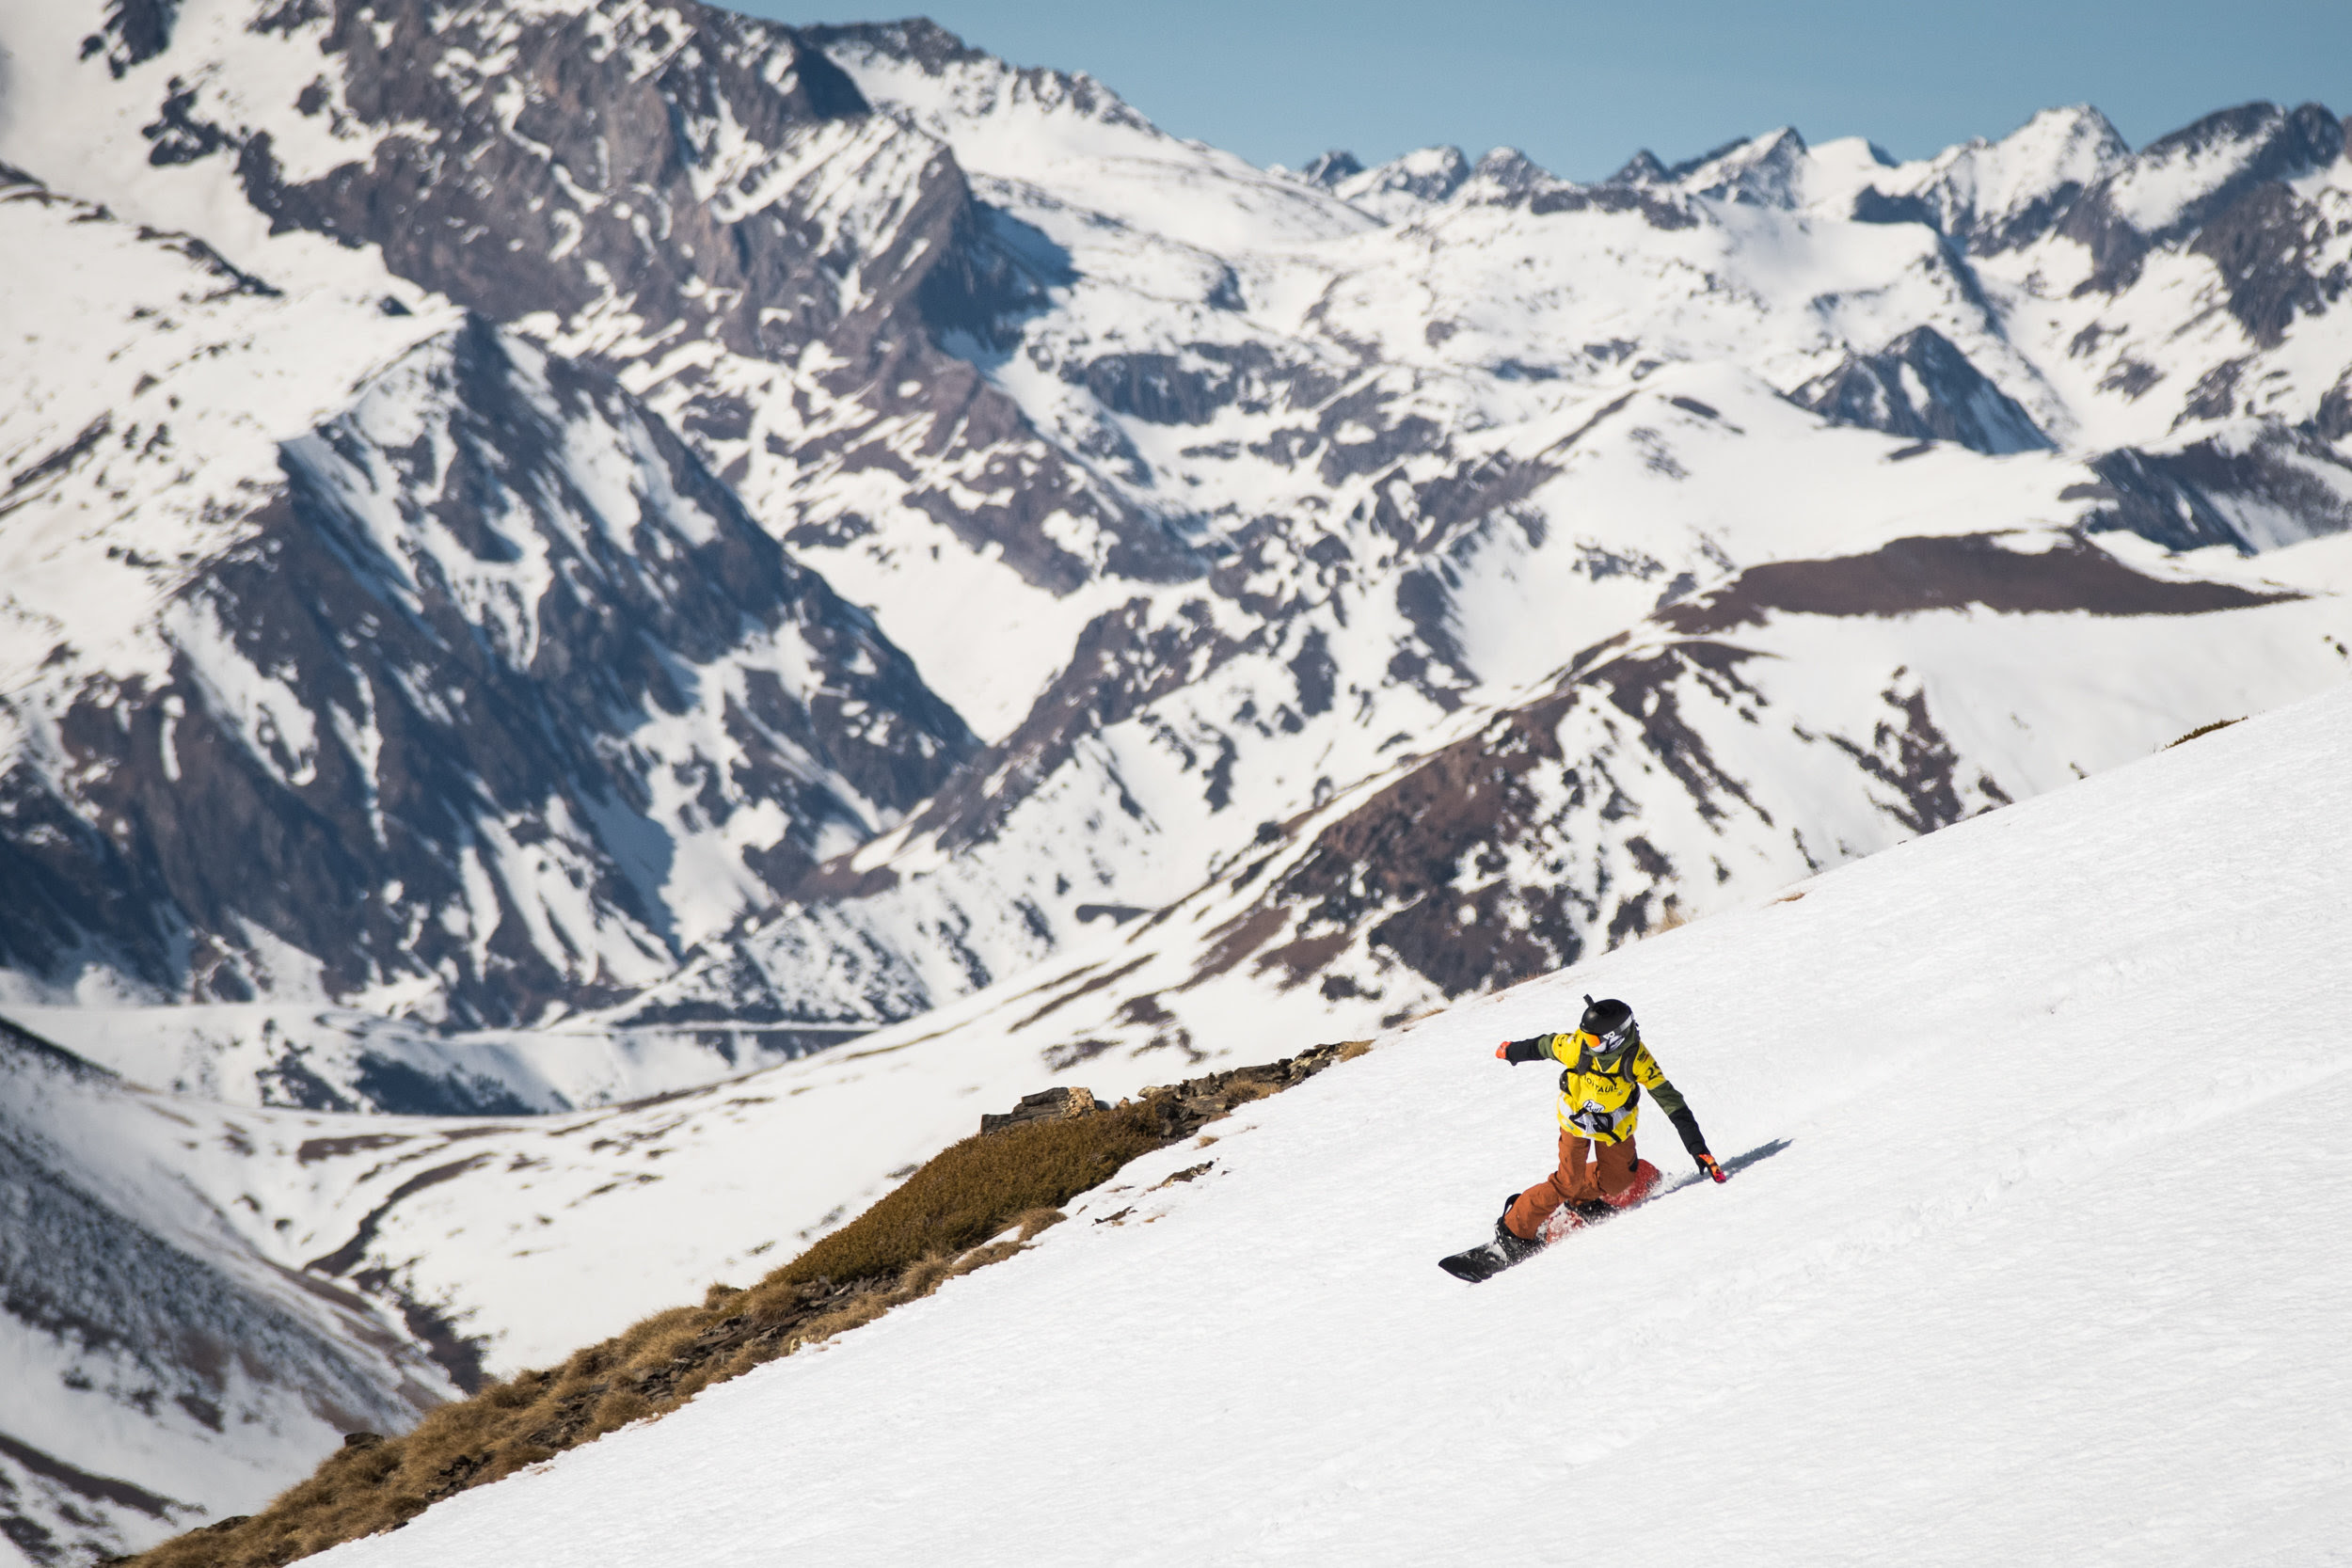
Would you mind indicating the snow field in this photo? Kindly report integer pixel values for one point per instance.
(2041, 1260)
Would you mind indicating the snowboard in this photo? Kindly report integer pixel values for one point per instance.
(1485, 1262)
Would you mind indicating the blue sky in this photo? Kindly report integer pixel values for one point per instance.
(1579, 86)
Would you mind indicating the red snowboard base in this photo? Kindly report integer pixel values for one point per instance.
(1564, 1219)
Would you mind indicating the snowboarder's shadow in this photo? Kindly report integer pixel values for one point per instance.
(1739, 1162)
(1734, 1166)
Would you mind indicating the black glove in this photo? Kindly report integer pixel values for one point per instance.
(1515, 1052)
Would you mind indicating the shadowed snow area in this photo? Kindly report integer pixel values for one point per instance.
(2042, 1259)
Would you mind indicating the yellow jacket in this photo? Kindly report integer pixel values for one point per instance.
(1601, 1096)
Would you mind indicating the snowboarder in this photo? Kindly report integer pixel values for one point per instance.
(1604, 1068)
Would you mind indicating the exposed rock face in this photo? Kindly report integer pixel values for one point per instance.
(1123, 663)
(615, 149)
(2254, 486)
(2218, 187)
(136, 31)
(678, 174)
(1045, 1105)
(1991, 198)
(1501, 856)
(2273, 250)
(1921, 387)
(2181, 182)
(497, 656)
(1767, 171)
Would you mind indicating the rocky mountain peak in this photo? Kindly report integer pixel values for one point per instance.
(1995, 196)
(917, 40)
(2176, 180)
(1643, 168)
(1762, 171)
(972, 77)
(2068, 138)
(1401, 188)
(1505, 174)
(2207, 176)
(1330, 168)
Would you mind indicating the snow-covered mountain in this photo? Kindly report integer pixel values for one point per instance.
(1243, 481)
(554, 554)
(1439, 463)
(493, 616)
(2039, 1126)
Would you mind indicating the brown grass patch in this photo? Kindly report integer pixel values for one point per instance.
(2201, 728)
(977, 1203)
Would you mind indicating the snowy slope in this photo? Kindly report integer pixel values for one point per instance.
(2041, 1122)
(515, 1239)
(522, 1239)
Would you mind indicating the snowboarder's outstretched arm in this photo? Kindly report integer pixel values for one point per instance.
(1535, 1050)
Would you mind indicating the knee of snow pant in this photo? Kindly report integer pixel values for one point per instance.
(1528, 1211)
(1587, 1171)
(1613, 1167)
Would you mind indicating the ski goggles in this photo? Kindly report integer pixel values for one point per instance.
(1615, 1040)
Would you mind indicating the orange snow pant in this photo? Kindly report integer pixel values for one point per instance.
(1587, 1171)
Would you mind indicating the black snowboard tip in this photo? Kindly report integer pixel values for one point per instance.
(1476, 1266)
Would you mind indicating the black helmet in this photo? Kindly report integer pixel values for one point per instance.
(1610, 1023)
